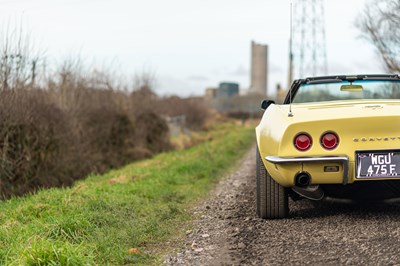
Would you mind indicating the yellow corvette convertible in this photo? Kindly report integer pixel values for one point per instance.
(335, 136)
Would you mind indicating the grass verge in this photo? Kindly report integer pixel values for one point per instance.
(139, 206)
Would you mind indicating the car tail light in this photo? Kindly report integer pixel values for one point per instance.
(329, 140)
(302, 142)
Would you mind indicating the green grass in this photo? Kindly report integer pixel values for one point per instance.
(142, 205)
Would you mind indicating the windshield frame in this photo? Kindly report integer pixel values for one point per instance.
(334, 79)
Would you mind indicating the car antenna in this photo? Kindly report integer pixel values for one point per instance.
(290, 114)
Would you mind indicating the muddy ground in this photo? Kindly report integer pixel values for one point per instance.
(226, 230)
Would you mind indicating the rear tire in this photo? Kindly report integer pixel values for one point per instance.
(271, 198)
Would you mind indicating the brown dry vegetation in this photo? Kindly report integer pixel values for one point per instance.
(50, 136)
(58, 127)
(196, 112)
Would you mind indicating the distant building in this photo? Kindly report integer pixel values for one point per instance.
(227, 89)
(259, 69)
(222, 98)
(211, 93)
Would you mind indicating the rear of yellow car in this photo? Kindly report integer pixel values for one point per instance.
(327, 148)
(329, 137)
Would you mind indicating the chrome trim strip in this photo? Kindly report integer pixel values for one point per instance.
(341, 159)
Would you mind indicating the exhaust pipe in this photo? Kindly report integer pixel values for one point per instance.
(302, 179)
(302, 187)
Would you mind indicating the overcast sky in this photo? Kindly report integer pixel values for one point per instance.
(188, 44)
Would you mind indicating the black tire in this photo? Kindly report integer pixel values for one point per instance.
(271, 198)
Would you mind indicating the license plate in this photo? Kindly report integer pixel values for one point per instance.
(378, 164)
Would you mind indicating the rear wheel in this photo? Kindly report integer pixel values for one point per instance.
(271, 198)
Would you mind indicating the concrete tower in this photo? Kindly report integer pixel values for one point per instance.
(259, 69)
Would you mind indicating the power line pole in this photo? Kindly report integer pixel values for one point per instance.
(308, 39)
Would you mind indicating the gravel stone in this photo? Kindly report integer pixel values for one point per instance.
(326, 233)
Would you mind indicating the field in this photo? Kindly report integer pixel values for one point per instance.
(124, 216)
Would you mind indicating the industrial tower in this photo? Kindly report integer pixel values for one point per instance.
(259, 69)
(308, 44)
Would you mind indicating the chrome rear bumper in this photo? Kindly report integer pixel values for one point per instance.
(344, 160)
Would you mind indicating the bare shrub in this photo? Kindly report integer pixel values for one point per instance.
(194, 109)
(105, 131)
(105, 120)
(34, 142)
(152, 132)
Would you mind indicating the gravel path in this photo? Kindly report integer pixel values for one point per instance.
(227, 232)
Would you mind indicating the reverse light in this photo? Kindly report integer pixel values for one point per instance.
(302, 142)
(329, 140)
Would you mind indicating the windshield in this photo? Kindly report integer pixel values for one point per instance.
(336, 91)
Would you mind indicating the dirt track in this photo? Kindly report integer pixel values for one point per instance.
(226, 231)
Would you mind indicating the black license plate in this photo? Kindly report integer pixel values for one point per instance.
(378, 164)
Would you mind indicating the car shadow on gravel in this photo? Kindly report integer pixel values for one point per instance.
(369, 209)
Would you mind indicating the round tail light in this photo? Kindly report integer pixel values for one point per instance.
(329, 140)
(302, 142)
